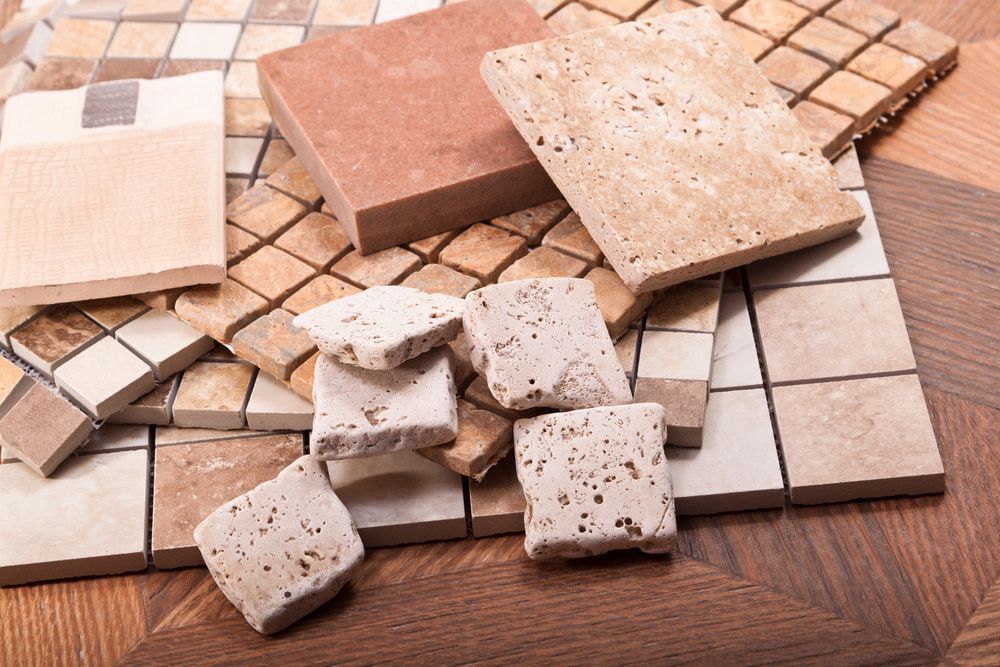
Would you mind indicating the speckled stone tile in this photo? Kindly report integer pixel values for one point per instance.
(239, 244)
(828, 41)
(385, 267)
(483, 439)
(793, 70)
(246, 117)
(141, 39)
(854, 96)
(167, 344)
(317, 240)
(757, 46)
(182, 67)
(272, 273)
(80, 38)
(273, 344)
(53, 337)
(439, 279)
(273, 407)
(212, 396)
(277, 154)
(220, 310)
(936, 49)
(828, 130)
(734, 357)
(571, 237)
(623, 9)
(317, 292)
(293, 179)
(775, 19)
(865, 16)
(111, 314)
(483, 251)
(685, 308)
(890, 67)
(42, 429)
(497, 503)
(544, 262)
(532, 223)
(61, 73)
(152, 409)
(619, 305)
(240, 155)
(104, 378)
(116, 69)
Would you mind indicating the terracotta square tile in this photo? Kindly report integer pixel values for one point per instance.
(104, 378)
(736, 468)
(534, 222)
(544, 262)
(756, 45)
(117, 438)
(220, 310)
(153, 408)
(317, 292)
(483, 251)
(272, 344)
(483, 439)
(87, 519)
(302, 378)
(432, 509)
(53, 337)
(80, 38)
(241, 155)
(116, 69)
(166, 343)
(625, 348)
(344, 12)
(866, 438)
(360, 180)
(734, 358)
(112, 313)
(61, 74)
(212, 396)
(675, 355)
(849, 176)
(619, 305)
(205, 41)
(293, 179)
(317, 240)
(439, 279)
(828, 130)
(385, 267)
(154, 10)
(273, 407)
(142, 39)
(686, 308)
(865, 16)
(247, 117)
(574, 17)
(497, 503)
(182, 67)
(277, 154)
(42, 429)
(572, 238)
(217, 10)
(775, 19)
(936, 49)
(428, 249)
(282, 11)
(239, 244)
(259, 38)
(891, 67)
(828, 41)
(820, 332)
(855, 96)
(264, 212)
(12, 318)
(273, 274)
(190, 481)
(793, 70)
(776, 221)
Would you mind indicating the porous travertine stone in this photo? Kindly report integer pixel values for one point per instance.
(360, 412)
(283, 549)
(676, 172)
(382, 327)
(543, 343)
(855, 96)
(595, 480)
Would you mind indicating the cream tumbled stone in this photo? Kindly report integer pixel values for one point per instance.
(543, 343)
(595, 480)
(360, 412)
(285, 548)
(382, 327)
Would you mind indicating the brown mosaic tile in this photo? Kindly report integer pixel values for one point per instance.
(239, 244)
(114, 312)
(385, 267)
(42, 429)
(264, 212)
(483, 439)
(440, 279)
(53, 337)
(162, 300)
(80, 38)
(61, 73)
(891, 67)
(774, 19)
(936, 49)
(293, 179)
(429, 248)
(318, 291)
(116, 69)
(291, 11)
(246, 117)
(544, 262)
(855, 96)
(181, 67)
(756, 45)
(141, 39)
(317, 240)
(619, 305)
(302, 378)
(483, 251)
(272, 344)
(212, 396)
(220, 310)
(828, 41)
(272, 273)
(865, 16)
(534, 222)
(828, 129)
(793, 70)
(235, 187)
(572, 238)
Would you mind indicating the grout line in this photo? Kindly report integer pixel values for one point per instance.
(844, 378)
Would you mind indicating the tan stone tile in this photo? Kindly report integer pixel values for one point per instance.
(12, 318)
(220, 310)
(241, 81)
(318, 292)
(483, 251)
(114, 312)
(497, 503)
(161, 300)
(754, 44)
(623, 9)
(302, 378)
(239, 244)
(775, 19)
(891, 67)
(439, 279)
(815, 6)
(259, 39)
(619, 305)
(212, 396)
(684, 401)
(277, 154)
(724, 7)
(53, 337)
(685, 308)
(625, 348)
(281, 11)
(317, 240)
(240, 155)
(464, 372)
(793, 70)
(14, 383)
(273, 406)
(828, 41)
(429, 248)
(141, 39)
(293, 179)
(217, 10)
(117, 69)
(849, 176)
(181, 67)
(534, 222)
(273, 274)
(936, 49)
(483, 439)
(61, 73)
(734, 358)
(865, 16)
(272, 344)
(787, 96)
(205, 41)
(104, 378)
(344, 12)
(656, 9)
(246, 117)
(264, 212)
(385, 267)
(166, 343)
(42, 429)
(855, 96)
(574, 17)
(117, 438)
(154, 10)
(544, 262)
(80, 38)
(572, 238)
(478, 393)
(675, 355)
(151, 409)
(829, 131)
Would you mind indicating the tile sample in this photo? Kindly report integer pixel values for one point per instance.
(734, 357)
(318, 292)
(264, 212)
(428, 249)
(532, 223)
(104, 378)
(855, 96)
(571, 237)
(205, 41)
(385, 267)
(190, 481)
(864, 438)
(117, 438)
(483, 439)
(112, 313)
(140, 39)
(756, 46)
(483, 251)
(400, 498)
(344, 12)
(892, 68)
(12, 318)
(687, 307)
(61, 73)
(220, 310)
(317, 239)
(793, 70)
(168, 436)
(865, 16)
(152, 409)
(164, 342)
(87, 519)
(936, 49)
(439, 279)
(275, 407)
(258, 39)
(774, 19)
(80, 38)
(382, 193)
(274, 344)
(726, 84)
(848, 166)
(828, 130)
(212, 396)
(827, 40)
(497, 503)
(182, 238)
(619, 305)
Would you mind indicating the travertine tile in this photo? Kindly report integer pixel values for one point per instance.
(858, 255)
(317, 240)
(737, 466)
(302, 378)
(272, 344)
(113, 313)
(154, 10)
(182, 67)
(385, 267)
(281, 11)
(167, 344)
(14, 79)
(478, 393)
(439, 279)
(141, 39)
(684, 401)
(890, 67)
(854, 96)
(400, 498)
(402, 187)
(483, 251)
(936, 49)
(775, 19)
(264, 212)
(61, 73)
(220, 310)
(755, 45)
(205, 41)
(246, 117)
(53, 337)
(42, 429)
(624, 500)
(344, 12)
(212, 396)
(258, 39)
(14, 384)
(80, 38)
(296, 567)
(241, 154)
(116, 69)
(483, 439)
(241, 81)
(849, 176)
(865, 438)
(217, 10)
(734, 358)
(273, 407)
(828, 130)
(828, 41)
(623, 9)
(464, 372)
(865, 16)
(318, 292)
(724, 7)
(87, 519)
(272, 273)
(793, 70)
(277, 155)
(293, 179)
(161, 300)
(190, 481)
(544, 262)
(117, 438)
(104, 378)
(685, 308)
(153, 408)
(239, 244)
(837, 330)
(619, 305)
(428, 249)
(676, 355)
(778, 219)
(497, 503)
(532, 223)
(571, 237)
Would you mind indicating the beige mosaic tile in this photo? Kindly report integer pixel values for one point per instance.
(264, 212)
(53, 337)
(865, 16)
(154, 10)
(827, 129)
(534, 222)
(344, 12)
(293, 179)
(167, 344)
(152, 409)
(275, 407)
(318, 292)
(828, 41)
(104, 378)
(113, 313)
(385, 267)
(483, 252)
(212, 396)
(12, 318)
(793, 70)
(544, 262)
(483, 439)
(774, 19)
(439, 279)
(205, 41)
(428, 249)
(317, 240)
(854, 96)
(241, 81)
(685, 308)
(848, 166)
(239, 244)
(141, 39)
(938, 50)
(218, 10)
(892, 68)
(246, 117)
(259, 38)
(80, 38)
(272, 273)
(755, 45)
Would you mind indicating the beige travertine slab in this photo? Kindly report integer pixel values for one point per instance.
(273, 406)
(42, 429)
(100, 232)
(737, 466)
(734, 358)
(166, 343)
(685, 308)
(483, 438)
(104, 378)
(543, 343)
(191, 481)
(282, 549)
(595, 480)
(497, 503)
(400, 498)
(382, 327)
(938, 50)
(212, 395)
(689, 219)
(87, 519)
(117, 438)
(361, 412)
(151, 409)
(864, 438)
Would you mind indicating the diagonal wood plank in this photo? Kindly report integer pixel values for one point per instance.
(979, 641)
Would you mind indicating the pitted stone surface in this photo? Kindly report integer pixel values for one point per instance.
(382, 327)
(360, 412)
(676, 170)
(595, 480)
(543, 343)
(283, 549)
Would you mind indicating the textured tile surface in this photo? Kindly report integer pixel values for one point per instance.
(104, 378)
(483, 439)
(273, 407)
(212, 395)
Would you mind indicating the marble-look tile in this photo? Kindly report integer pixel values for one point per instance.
(53, 337)
(166, 343)
(104, 378)
(212, 396)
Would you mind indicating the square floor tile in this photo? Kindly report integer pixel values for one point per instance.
(104, 378)
(166, 343)
(205, 41)
(734, 358)
(141, 39)
(261, 38)
(212, 396)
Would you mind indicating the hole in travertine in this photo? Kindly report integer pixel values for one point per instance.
(288, 594)
(540, 141)
(582, 528)
(563, 499)
(598, 499)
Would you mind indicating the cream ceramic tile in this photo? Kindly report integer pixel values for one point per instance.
(104, 378)
(166, 343)
(274, 407)
(241, 154)
(675, 355)
(205, 41)
(734, 358)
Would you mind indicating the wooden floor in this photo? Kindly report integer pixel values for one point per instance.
(893, 581)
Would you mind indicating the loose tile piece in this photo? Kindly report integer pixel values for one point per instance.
(483, 251)
(497, 503)
(616, 496)
(732, 99)
(439, 279)
(483, 439)
(385, 267)
(404, 187)
(220, 310)
(828, 130)
(87, 519)
(53, 337)
(212, 396)
(544, 262)
(865, 16)
(936, 49)
(317, 240)
(273, 344)
(793, 70)
(296, 568)
(854, 96)
(190, 481)
(775, 19)
(866, 438)
(572, 238)
(42, 429)
(734, 358)
(619, 305)
(890, 67)
(829, 41)
(117, 438)
(318, 292)
(400, 498)
(543, 343)
(275, 407)
(532, 223)
(685, 308)
(164, 342)
(360, 412)
(104, 378)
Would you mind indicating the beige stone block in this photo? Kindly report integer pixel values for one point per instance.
(483, 251)
(827, 40)
(734, 358)
(544, 262)
(936, 49)
(619, 305)
(863, 100)
(141, 39)
(534, 222)
(385, 267)
(275, 407)
(104, 378)
(439, 279)
(241, 81)
(686, 308)
(865, 16)
(239, 244)
(483, 439)
(164, 342)
(212, 396)
(220, 310)
(497, 502)
(274, 344)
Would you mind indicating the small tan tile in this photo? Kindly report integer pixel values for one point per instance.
(385, 267)
(572, 238)
(241, 81)
(685, 308)
(166, 343)
(317, 292)
(114, 312)
(220, 352)
(151, 409)
(675, 355)
(724, 7)
(478, 393)
(830, 131)
(154, 10)
(205, 41)
(734, 358)
(240, 154)
(80, 38)
(890, 67)
(14, 79)
(239, 244)
(272, 344)
(12, 318)
(756, 45)
(625, 348)
(264, 212)
(292, 11)
(273, 407)
(182, 67)
(848, 166)
(302, 378)
(53, 337)
(656, 9)
(775, 19)
(259, 39)
(854, 96)
(544, 262)
(117, 69)
(865, 16)
(140, 39)
(61, 73)
(497, 503)
(793, 70)
(273, 274)
(439, 279)
(104, 378)
(42, 429)
(212, 396)
(828, 41)
(14, 383)
(344, 12)
(684, 401)
(483, 439)
(317, 240)
(217, 10)
(220, 310)
(574, 17)
(293, 179)
(277, 154)
(246, 117)
(464, 372)
(117, 438)
(483, 251)
(429, 248)
(936, 49)
(619, 305)
(533, 223)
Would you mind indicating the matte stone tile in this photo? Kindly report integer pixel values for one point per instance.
(168, 436)
(302, 378)
(241, 81)
(220, 310)
(317, 240)
(318, 292)
(623, 9)
(53, 337)
(890, 67)
(724, 7)
(400, 498)
(277, 154)
(439, 279)
(117, 438)
(205, 41)
(544, 262)
(755, 45)
(483, 439)
(478, 393)
(344, 12)
(532, 223)
(793, 70)
(104, 378)
(273, 344)
(574, 17)
(775, 19)
(264, 212)
(292, 11)
(212, 396)
(385, 267)
(684, 401)
(865, 16)
(572, 238)
(273, 274)
(428, 249)
(190, 481)
(497, 502)
(293, 179)
(246, 117)
(676, 355)
(14, 79)
(828, 130)
(865, 438)
(685, 308)
(12, 318)
(14, 384)
(154, 10)
(153, 408)
(239, 244)
(61, 73)
(829, 331)
(42, 429)
(274, 407)
(116, 69)
(114, 312)
(218, 10)
(737, 466)
(484, 252)
(80, 38)
(619, 305)
(402, 187)
(87, 519)
(855, 96)
(828, 41)
(258, 39)
(936, 49)
(142, 39)
(849, 176)
(625, 348)
(167, 344)
(181, 67)
(241, 154)
(734, 358)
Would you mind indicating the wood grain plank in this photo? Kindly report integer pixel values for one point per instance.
(979, 641)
